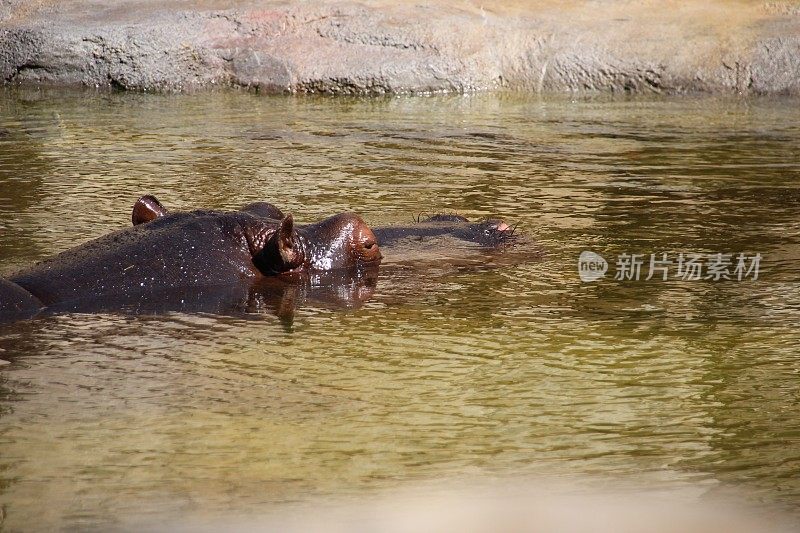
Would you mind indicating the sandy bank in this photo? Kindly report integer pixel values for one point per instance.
(375, 47)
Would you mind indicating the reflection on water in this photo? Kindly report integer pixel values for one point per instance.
(518, 369)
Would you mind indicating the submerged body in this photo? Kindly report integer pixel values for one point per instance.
(491, 233)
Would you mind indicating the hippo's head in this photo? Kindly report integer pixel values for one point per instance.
(341, 242)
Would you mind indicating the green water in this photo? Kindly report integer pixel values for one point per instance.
(517, 370)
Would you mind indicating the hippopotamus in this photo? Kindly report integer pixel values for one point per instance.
(217, 261)
(189, 255)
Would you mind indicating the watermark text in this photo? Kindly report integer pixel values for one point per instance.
(665, 266)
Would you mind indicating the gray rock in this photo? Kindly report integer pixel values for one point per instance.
(378, 47)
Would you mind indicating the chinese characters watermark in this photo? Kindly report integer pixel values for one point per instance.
(663, 266)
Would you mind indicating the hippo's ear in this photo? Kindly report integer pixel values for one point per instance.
(147, 208)
(282, 251)
(286, 240)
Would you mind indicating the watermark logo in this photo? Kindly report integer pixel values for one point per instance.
(662, 266)
(591, 266)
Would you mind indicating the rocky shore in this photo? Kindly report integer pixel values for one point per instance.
(377, 47)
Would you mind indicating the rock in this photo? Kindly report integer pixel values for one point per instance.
(377, 47)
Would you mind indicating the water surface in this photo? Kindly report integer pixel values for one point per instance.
(521, 369)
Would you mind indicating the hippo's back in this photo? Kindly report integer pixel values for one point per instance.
(200, 248)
